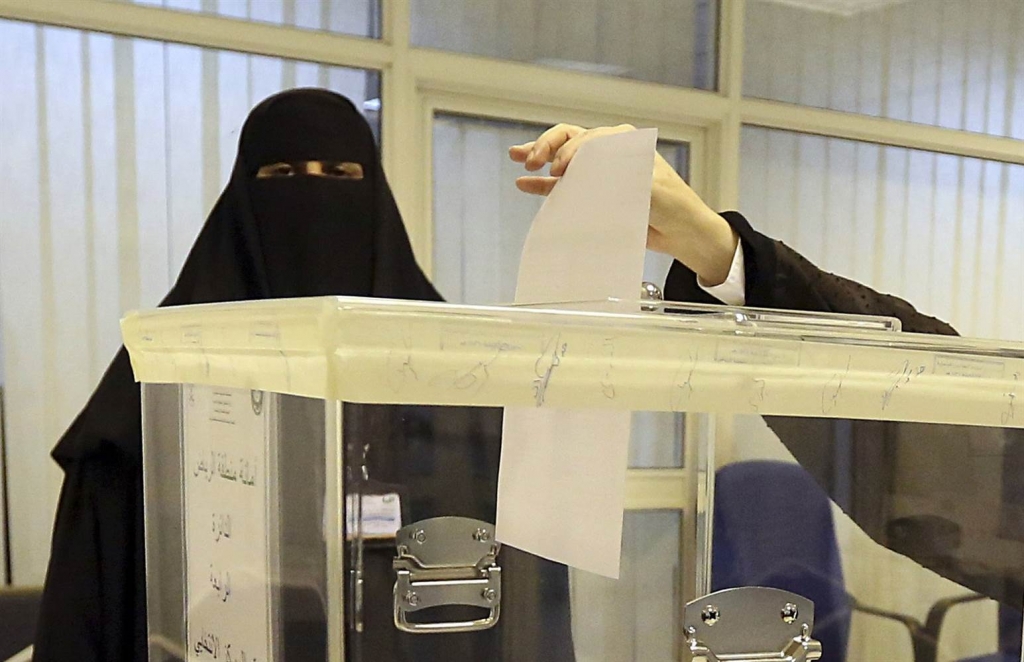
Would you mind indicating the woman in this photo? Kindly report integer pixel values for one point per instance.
(307, 212)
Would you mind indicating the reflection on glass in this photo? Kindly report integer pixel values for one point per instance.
(657, 440)
(360, 18)
(651, 40)
(902, 496)
(634, 618)
(953, 64)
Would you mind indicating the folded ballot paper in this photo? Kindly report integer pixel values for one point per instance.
(562, 475)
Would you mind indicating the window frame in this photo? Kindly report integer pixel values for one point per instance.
(417, 79)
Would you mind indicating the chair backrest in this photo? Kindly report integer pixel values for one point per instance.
(773, 527)
(1010, 635)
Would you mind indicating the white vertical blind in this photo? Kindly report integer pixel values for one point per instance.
(480, 218)
(944, 232)
(651, 40)
(957, 64)
(3, 477)
(354, 17)
(114, 151)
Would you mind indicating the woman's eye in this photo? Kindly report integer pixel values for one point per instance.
(344, 170)
(335, 170)
(275, 170)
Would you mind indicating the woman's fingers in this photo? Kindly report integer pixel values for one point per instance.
(536, 185)
(518, 153)
(680, 223)
(566, 152)
(549, 142)
(558, 145)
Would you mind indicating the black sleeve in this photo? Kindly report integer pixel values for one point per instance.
(876, 490)
(779, 277)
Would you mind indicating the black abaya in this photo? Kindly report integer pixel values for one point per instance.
(291, 236)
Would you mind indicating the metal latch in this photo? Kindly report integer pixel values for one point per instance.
(447, 561)
(751, 624)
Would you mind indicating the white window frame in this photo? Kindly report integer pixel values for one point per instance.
(414, 80)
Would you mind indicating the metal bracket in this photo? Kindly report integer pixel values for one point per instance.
(751, 624)
(446, 561)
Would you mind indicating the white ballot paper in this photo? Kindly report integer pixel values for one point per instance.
(562, 475)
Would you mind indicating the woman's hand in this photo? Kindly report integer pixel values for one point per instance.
(680, 225)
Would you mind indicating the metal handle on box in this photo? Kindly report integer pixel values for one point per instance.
(446, 561)
(751, 624)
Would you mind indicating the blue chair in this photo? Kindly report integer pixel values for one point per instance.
(1011, 633)
(773, 527)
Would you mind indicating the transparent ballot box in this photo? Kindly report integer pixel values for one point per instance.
(321, 481)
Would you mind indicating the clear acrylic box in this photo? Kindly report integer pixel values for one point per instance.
(320, 481)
